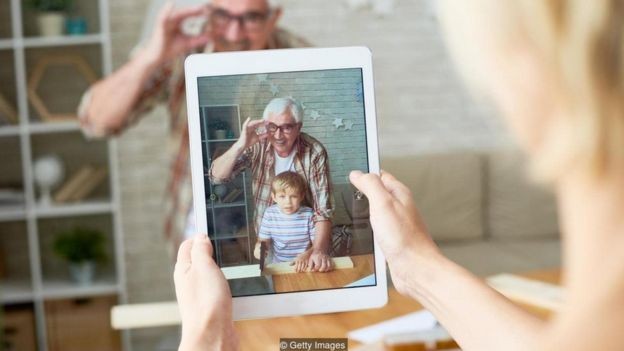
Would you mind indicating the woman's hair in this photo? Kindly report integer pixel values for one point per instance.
(581, 43)
(289, 180)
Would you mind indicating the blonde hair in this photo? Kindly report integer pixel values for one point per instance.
(288, 180)
(582, 44)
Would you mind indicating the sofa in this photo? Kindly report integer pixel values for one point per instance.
(480, 207)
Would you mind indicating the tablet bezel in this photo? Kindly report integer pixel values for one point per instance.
(274, 61)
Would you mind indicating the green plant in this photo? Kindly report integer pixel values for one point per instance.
(218, 124)
(79, 245)
(51, 5)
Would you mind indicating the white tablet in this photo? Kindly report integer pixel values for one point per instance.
(276, 191)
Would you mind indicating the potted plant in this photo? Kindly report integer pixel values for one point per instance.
(82, 248)
(51, 15)
(219, 128)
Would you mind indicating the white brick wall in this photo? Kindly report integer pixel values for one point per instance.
(421, 107)
(330, 94)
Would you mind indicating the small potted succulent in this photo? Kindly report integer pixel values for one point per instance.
(82, 248)
(219, 128)
(51, 15)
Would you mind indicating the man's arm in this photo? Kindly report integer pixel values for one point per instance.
(113, 98)
(222, 167)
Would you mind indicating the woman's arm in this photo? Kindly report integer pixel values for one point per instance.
(475, 315)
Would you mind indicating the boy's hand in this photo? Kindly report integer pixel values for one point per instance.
(301, 261)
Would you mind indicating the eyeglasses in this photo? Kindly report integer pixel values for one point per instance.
(251, 21)
(284, 128)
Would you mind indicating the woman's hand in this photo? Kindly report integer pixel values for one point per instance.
(398, 228)
(204, 298)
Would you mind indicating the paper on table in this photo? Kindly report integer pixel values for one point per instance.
(412, 322)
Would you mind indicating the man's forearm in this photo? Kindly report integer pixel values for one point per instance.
(223, 166)
(322, 237)
(114, 97)
(477, 316)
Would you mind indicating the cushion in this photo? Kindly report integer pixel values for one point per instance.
(447, 189)
(516, 207)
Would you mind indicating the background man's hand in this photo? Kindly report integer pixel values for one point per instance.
(168, 40)
(204, 298)
(397, 225)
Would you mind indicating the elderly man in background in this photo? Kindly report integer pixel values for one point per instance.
(155, 75)
(273, 145)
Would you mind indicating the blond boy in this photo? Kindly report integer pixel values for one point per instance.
(287, 225)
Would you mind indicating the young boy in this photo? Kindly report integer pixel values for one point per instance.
(287, 225)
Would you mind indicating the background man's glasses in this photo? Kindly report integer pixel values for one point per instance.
(249, 21)
(284, 128)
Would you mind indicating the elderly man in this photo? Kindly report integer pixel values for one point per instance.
(273, 145)
(155, 75)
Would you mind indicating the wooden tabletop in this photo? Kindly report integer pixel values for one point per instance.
(265, 334)
(363, 266)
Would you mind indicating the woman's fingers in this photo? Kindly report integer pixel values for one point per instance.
(202, 249)
(372, 186)
(184, 252)
(398, 190)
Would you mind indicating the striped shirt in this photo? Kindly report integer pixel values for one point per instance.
(311, 162)
(290, 234)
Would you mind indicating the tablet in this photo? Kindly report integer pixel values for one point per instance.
(273, 136)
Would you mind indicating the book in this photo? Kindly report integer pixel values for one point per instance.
(232, 195)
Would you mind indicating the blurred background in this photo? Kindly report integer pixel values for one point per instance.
(81, 220)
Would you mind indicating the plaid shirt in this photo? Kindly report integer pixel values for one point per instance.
(166, 85)
(310, 161)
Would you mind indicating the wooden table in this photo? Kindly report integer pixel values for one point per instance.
(265, 334)
(363, 266)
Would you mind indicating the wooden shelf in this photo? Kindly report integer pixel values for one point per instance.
(9, 130)
(74, 209)
(225, 205)
(58, 289)
(16, 291)
(10, 213)
(53, 127)
(6, 44)
(228, 236)
(65, 40)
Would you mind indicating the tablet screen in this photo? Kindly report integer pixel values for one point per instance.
(277, 193)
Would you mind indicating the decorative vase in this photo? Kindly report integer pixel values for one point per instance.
(220, 190)
(82, 273)
(76, 26)
(51, 23)
(48, 172)
(220, 134)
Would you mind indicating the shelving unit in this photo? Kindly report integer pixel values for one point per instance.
(30, 274)
(229, 220)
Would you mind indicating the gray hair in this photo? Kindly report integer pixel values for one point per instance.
(278, 106)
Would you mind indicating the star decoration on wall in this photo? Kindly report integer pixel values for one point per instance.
(315, 115)
(274, 89)
(262, 78)
(338, 123)
(348, 125)
(303, 106)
